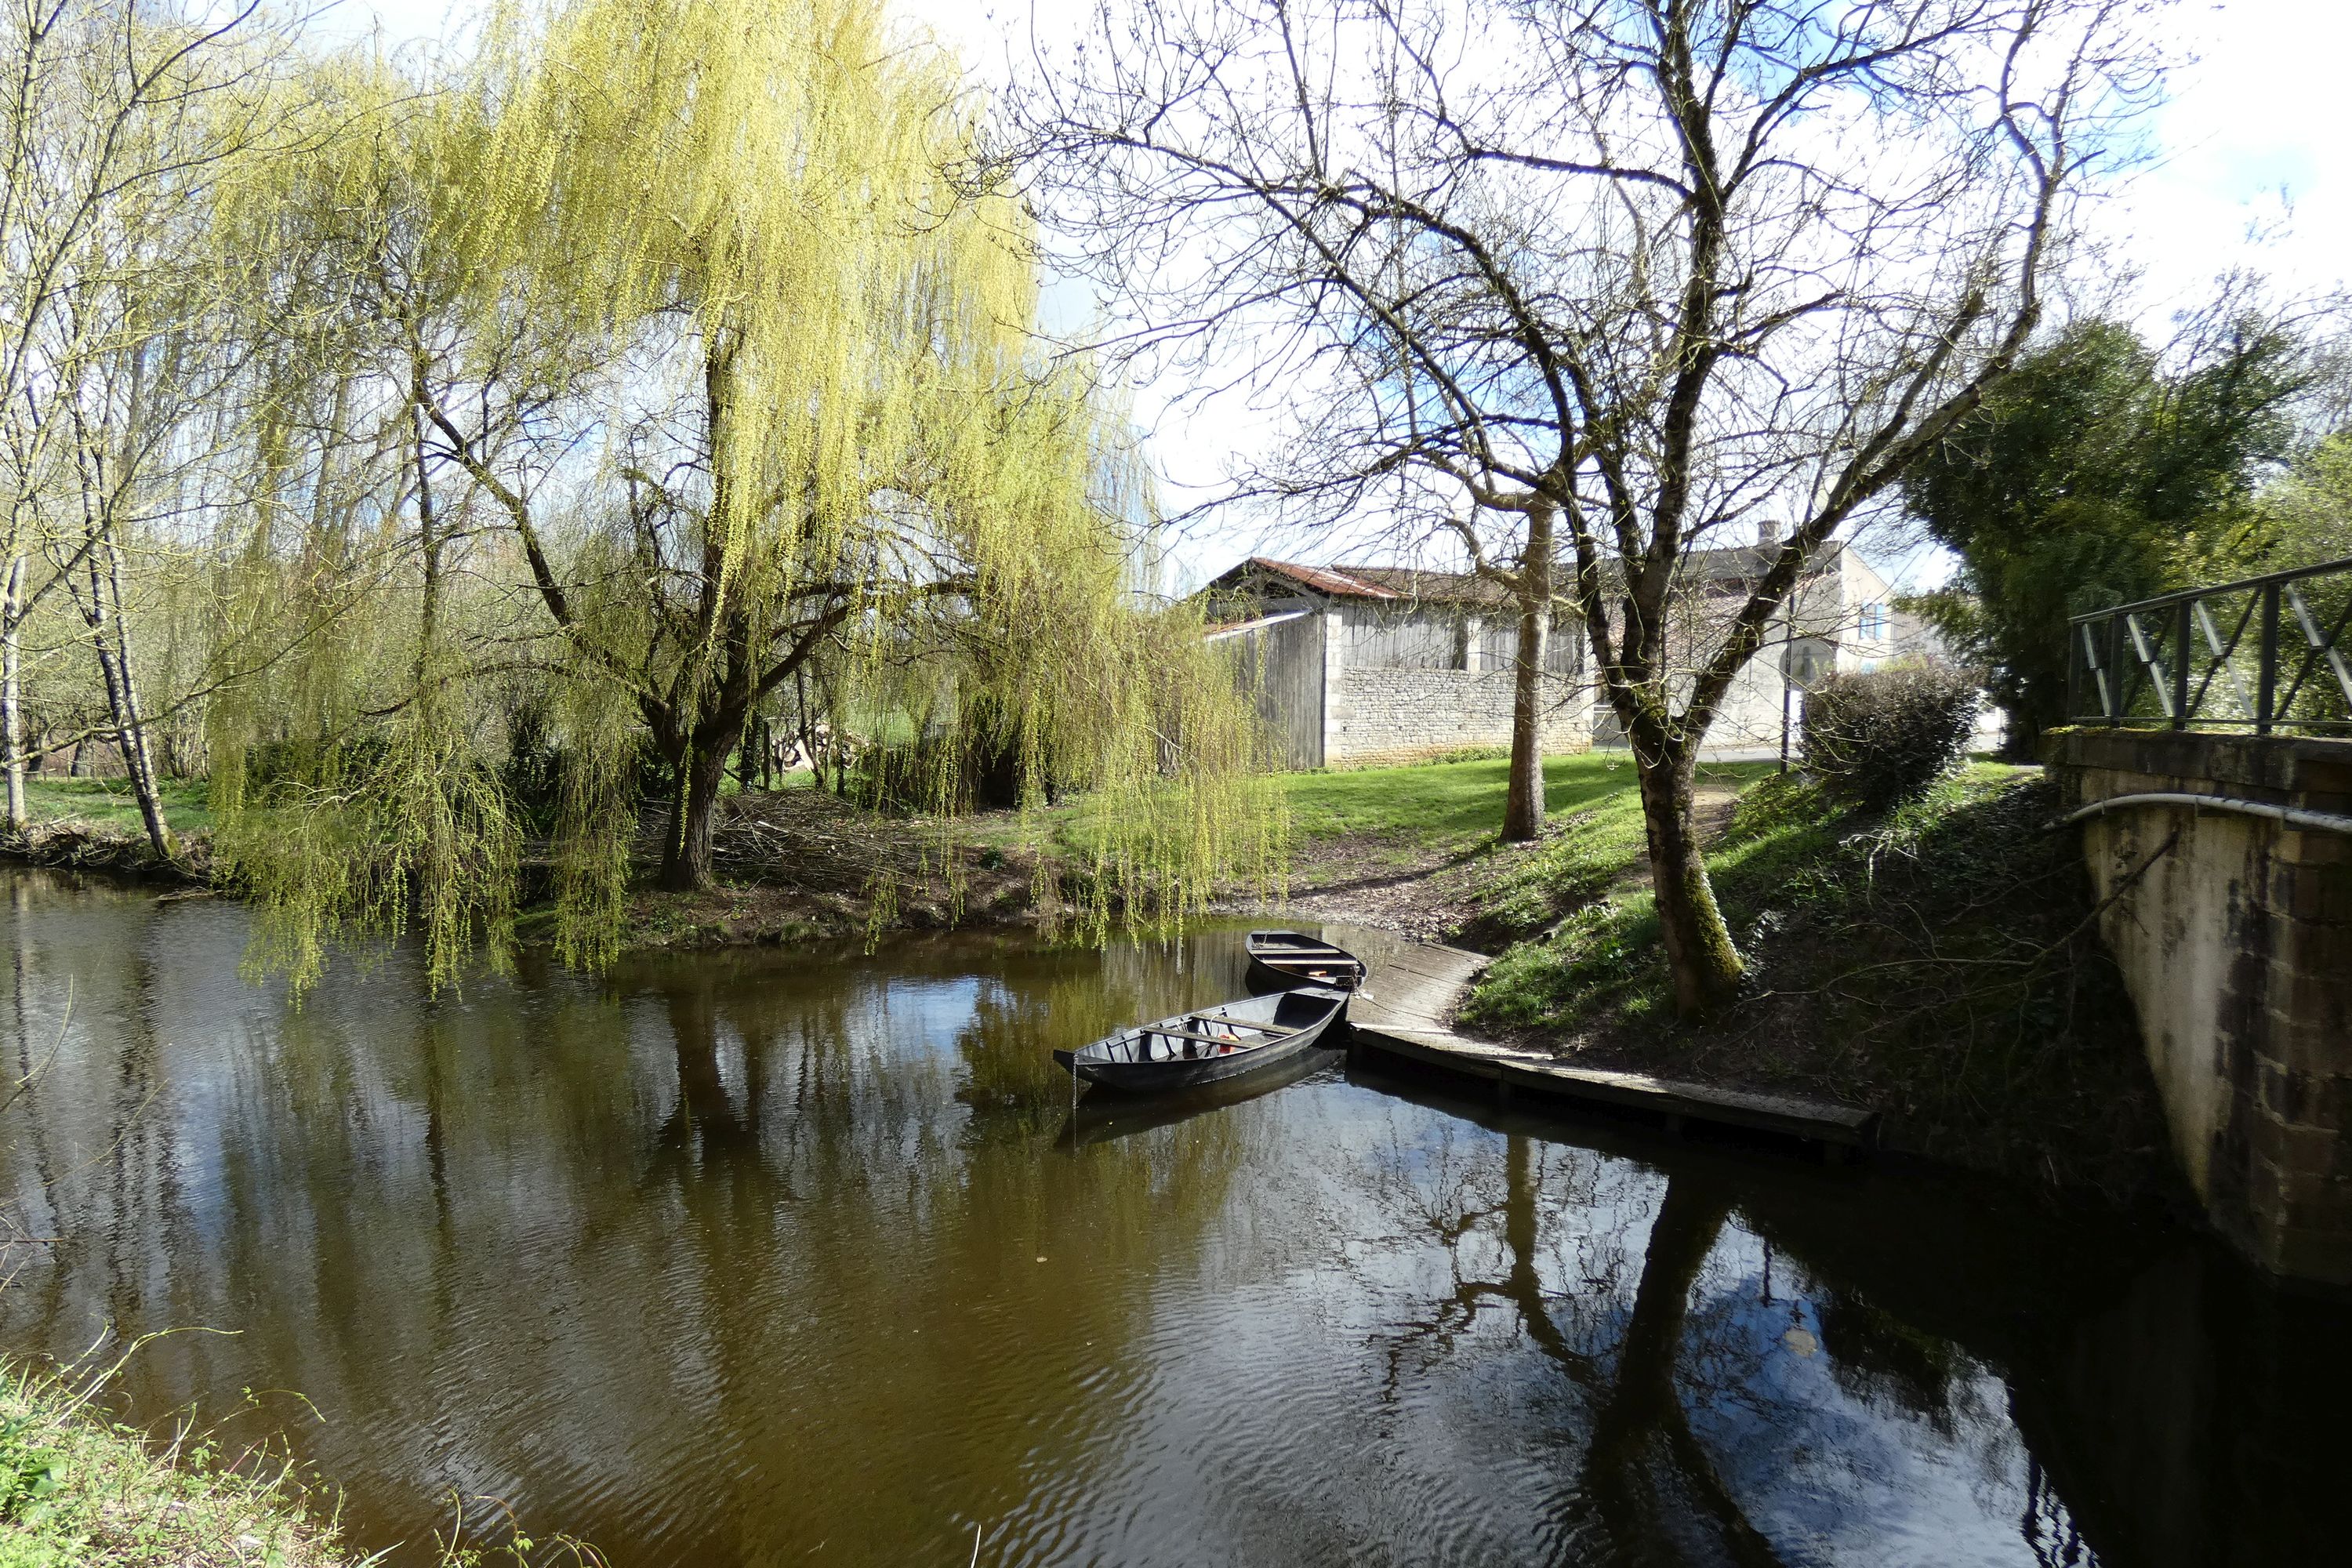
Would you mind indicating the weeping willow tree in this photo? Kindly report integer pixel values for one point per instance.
(664, 352)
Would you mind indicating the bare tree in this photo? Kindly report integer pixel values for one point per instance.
(1638, 274)
(116, 125)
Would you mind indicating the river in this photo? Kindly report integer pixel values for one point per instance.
(751, 1258)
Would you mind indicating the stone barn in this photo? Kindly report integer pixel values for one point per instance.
(1380, 664)
(1355, 665)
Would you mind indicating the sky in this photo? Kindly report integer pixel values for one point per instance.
(2245, 173)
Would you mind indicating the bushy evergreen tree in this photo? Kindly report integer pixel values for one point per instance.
(2095, 475)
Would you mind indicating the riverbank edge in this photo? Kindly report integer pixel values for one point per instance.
(75, 844)
(715, 920)
(734, 916)
(79, 1489)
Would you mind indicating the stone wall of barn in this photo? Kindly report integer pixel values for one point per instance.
(1389, 697)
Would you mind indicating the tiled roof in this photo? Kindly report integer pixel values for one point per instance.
(1397, 583)
(1338, 584)
(1729, 568)
(1433, 587)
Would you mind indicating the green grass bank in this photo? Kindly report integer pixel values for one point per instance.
(79, 1489)
(1940, 962)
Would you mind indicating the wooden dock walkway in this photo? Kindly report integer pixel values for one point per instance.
(1406, 1012)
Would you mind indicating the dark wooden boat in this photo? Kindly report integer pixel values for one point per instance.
(1215, 1045)
(1294, 958)
(1106, 1117)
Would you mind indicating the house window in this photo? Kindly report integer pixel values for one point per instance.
(1873, 621)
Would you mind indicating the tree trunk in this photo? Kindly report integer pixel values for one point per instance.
(1523, 805)
(12, 724)
(686, 857)
(1700, 955)
(130, 726)
(747, 757)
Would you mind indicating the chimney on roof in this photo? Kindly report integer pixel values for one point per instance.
(1768, 534)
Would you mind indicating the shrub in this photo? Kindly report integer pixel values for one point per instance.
(1882, 737)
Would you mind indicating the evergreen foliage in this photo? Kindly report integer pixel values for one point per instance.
(2098, 474)
(1879, 737)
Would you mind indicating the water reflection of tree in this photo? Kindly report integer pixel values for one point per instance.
(1646, 1478)
(1645, 1486)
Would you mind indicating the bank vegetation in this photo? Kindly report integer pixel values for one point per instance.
(460, 462)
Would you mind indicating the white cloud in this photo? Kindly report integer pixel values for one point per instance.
(2248, 174)
(2250, 171)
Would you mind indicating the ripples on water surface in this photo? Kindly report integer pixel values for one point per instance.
(753, 1258)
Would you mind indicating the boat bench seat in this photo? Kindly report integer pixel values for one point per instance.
(1273, 1031)
(1278, 1031)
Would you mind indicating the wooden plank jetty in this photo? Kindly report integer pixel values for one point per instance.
(1406, 1013)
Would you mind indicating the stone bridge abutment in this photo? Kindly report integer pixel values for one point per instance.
(2231, 915)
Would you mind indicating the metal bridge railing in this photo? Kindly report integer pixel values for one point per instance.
(2264, 654)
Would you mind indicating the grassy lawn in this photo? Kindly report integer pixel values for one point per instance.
(109, 802)
(1452, 805)
(1593, 840)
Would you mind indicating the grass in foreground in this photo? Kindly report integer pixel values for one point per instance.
(76, 1489)
(80, 1490)
(1942, 962)
(108, 803)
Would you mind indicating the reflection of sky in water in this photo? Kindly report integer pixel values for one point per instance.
(1831, 1477)
(1417, 1313)
(741, 1257)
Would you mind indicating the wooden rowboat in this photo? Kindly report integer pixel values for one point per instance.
(1216, 1045)
(1106, 1117)
(1294, 958)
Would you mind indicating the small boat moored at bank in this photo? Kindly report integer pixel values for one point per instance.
(1294, 958)
(1214, 1045)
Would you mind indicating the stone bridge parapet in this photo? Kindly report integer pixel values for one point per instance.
(2232, 924)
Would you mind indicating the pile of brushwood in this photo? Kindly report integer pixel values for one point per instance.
(1939, 960)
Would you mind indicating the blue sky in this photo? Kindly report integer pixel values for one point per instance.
(2247, 172)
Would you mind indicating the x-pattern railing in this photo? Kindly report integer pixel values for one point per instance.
(2264, 653)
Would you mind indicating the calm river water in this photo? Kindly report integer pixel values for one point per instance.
(756, 1259)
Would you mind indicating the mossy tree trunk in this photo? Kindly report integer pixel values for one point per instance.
(102, 614)
(1700, 955)
(131, 722)
(686, 857)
